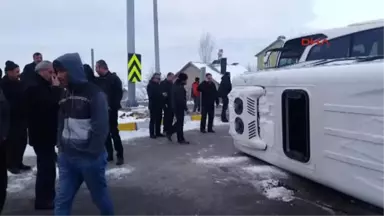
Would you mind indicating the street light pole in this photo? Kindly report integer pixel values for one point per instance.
(156, 36)
(131, 102)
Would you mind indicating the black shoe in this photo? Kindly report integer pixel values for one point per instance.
(211, 131)
(44, 206)
(160, 135)
(152, 136)
(224, 120)
(120, 161)
(203, 131)
(14, 170)
(183, 142)
(109, 158)
(25, 167)
(169, 137)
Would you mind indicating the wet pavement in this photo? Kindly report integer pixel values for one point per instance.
(208, 177)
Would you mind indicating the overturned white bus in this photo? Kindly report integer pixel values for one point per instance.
(324, 122)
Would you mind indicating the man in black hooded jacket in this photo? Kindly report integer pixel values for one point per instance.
(155, 105)
(224, 90)
(166, 88)
(112, 86)
(4, 128)
(179, 106)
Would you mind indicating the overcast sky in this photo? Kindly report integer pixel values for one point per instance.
(241, 27)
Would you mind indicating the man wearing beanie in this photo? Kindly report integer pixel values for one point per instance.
(179, 106)
(16, 141)
(82, 131)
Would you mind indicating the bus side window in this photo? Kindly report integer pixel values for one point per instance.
(337, 48)
(368, 43)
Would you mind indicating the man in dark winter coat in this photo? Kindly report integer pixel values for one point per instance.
(179, 106)
(209, 96)
(82, 131)
(43, 105)
(16, 142)
(111, 84)
(166, 88)
(224, 90)
(4, 127)
(155, 105)
(28, 75)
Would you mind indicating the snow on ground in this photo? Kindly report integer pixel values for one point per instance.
(140, 133)
(22, 181)
(263, 177)
(221, 160)
(138, 114)
(144, 132)
(119, 172)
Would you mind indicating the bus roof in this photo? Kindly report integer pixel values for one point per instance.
(352, 28)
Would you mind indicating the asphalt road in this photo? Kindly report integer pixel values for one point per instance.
(166, 178)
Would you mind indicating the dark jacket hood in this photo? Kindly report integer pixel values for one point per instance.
(72, 63)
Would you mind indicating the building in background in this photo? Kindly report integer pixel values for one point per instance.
(263, 55)
(192, 69)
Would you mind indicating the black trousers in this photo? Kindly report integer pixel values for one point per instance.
(46, 173)
(16, 143)
(207, 110)
(225, 108)
(114, 136)
(168, 118)
(178, 127)
(155, 115)
(3, 176)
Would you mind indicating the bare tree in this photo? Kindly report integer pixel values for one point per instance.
(206, 46)
(251, 67)
(149, 74)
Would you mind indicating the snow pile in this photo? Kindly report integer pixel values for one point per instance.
(272, 190)
(267, 182)
(139, 115)
(221, 160)
(119, 172)
(141, 91)
(19, 182)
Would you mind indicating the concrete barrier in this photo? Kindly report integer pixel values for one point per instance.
(133, 126)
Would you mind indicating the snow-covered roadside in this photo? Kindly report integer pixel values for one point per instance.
(264, 178)
(18, 183)
(140, 133)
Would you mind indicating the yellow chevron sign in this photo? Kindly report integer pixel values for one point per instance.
(134, 67)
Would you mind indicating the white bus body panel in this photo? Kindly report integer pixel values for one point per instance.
(346, 124)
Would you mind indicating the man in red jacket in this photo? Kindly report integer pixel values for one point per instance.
(196, 95)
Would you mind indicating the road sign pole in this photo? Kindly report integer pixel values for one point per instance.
(156, 37)
(131, 102)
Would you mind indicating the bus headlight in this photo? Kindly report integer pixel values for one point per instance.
(239, 125)
(238, 106)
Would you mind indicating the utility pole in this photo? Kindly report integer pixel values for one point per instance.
(156, 37)
(131, 102)
(93, 59)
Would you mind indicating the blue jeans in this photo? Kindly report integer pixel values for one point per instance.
(72, 173)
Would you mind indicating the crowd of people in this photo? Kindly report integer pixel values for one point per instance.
(63, 104)
(169, 96)
(60, 104)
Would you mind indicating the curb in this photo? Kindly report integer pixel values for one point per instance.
(133, 126)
